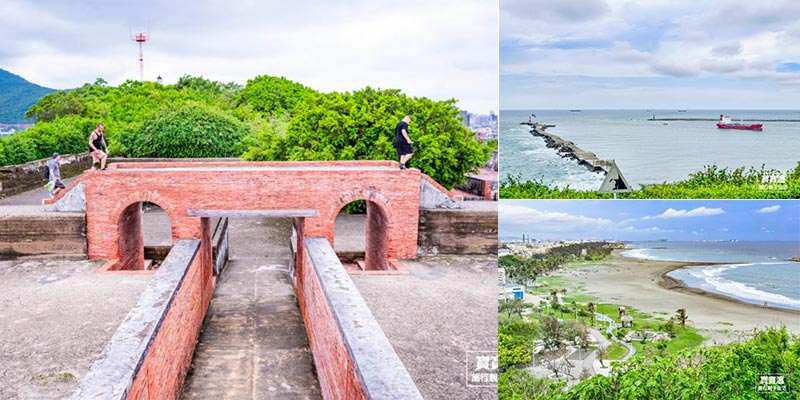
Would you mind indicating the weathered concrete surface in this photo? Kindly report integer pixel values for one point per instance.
(467, 231)
(55, 318)
(74, 200)
(445, 307)
(434, 196)
(26, 231)
(156, 226)
(253, 344)
(349, 233)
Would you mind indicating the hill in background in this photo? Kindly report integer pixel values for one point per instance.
(16, 96)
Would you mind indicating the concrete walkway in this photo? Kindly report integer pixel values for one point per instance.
(610, 329)
(253, 344)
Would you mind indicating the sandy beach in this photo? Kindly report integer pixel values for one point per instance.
(642, 284)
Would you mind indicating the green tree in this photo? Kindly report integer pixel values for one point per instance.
(192, 130)
(273, 95)
(520, 384)
(360, 126)
(592, 308)
(681, 317)
(513, 306)
(512, 350)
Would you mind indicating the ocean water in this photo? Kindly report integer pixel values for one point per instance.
(753, 272)
(645, 151)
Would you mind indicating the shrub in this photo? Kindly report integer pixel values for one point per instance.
(192, 130)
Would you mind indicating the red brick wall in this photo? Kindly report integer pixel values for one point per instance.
(324, 186)
(375, 252)
(335, 369)
(163, 372)
(131, 239)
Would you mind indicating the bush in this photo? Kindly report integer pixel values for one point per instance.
(65, 135)
(360, 126)
(710, 183)
(192, 130)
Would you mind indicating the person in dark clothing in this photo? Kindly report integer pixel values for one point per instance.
(402, 142)
(55, 174)
(96, 141)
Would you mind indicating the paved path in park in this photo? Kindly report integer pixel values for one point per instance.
(253, 344)
(610, 329)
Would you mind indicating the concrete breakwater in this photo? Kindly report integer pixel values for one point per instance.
(717, 119)
(568, 149)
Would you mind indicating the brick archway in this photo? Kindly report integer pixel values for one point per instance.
(181, 188)
(128, 216)
(379, 222)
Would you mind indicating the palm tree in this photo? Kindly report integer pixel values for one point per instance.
(682, 317)
(591, 307)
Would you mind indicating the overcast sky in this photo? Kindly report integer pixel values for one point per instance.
(438, 49)
(686, 220)
(628, 54)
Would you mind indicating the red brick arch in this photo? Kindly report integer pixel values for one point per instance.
(127, 211)
(322, 187)
(380, 221)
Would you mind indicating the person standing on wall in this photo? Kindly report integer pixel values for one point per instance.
(96, 141)
(402, 142)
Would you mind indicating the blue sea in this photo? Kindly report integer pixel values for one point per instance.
(752, 272)
(645, 151)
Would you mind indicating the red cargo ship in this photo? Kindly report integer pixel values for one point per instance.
(725, 123)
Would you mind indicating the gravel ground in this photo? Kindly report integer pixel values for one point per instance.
(55, 319)
(445, 307)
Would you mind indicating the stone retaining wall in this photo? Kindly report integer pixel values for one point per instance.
(15, 179)
(457, 231)
(43, 235)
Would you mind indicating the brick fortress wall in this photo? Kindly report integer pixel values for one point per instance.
(323, 186)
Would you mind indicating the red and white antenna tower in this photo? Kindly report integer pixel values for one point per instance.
(141, 38)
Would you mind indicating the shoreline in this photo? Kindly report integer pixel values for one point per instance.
(670, 283)
(643, 284)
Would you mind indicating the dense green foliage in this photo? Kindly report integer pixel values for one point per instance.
(64, 135)
(360, 125)
(525, 269)
(676, 369)
(272, 95)
(711, 183)
(270, 118)
(16, 96)
(166, 132)
(730, 371)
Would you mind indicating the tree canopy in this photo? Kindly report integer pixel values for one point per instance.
(270, 118)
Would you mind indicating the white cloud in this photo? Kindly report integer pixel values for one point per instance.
(767, 210)
(697, 212)
(443, 49)
(510, 214)
(682, 42)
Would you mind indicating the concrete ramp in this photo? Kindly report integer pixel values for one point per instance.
(253, 344)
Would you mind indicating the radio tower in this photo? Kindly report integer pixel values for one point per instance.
(140, 38)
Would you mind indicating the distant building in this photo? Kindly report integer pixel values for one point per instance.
(10, 129)
(514, 291)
